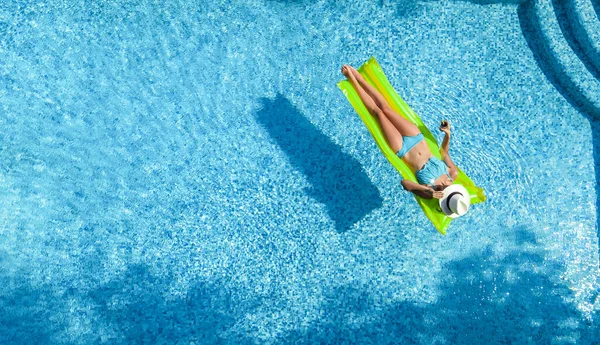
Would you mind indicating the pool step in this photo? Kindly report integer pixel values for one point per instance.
(581, 28)
(590, 20)
(555, 56)
(596, 4)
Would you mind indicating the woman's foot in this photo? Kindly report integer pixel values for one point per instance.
(359, 78)
(347, 71)
(354, 71)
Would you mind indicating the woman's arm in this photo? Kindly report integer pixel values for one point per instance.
(452, 169)
(445, 127)
(421, 190)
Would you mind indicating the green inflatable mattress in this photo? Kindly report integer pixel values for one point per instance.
(375, 76)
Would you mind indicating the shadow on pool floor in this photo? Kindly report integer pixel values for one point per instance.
(133, 307)
(26, 312)
(484, 299)
(337, 179)
(550, 65)
(130, 309)
(555, 73)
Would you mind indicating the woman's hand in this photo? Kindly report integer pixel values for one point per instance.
(445, 127)
(435, 194)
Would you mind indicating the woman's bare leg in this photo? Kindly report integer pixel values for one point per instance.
(403, 126)
(393, 136)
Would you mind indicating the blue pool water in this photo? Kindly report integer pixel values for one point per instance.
(187, 172)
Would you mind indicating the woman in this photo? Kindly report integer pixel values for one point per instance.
(433, 174)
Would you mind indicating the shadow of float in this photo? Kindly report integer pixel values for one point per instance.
(337, 179)
(484, 299)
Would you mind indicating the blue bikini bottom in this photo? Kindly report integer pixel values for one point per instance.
(408, 143)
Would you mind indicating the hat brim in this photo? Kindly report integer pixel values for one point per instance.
(449, 190)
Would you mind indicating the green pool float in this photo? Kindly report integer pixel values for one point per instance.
(375, 76)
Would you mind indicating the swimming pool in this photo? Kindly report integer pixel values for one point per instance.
(188, 172)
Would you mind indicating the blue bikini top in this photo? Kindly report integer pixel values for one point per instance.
(431, 171)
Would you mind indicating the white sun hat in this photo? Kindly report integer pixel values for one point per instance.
(456, 201)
